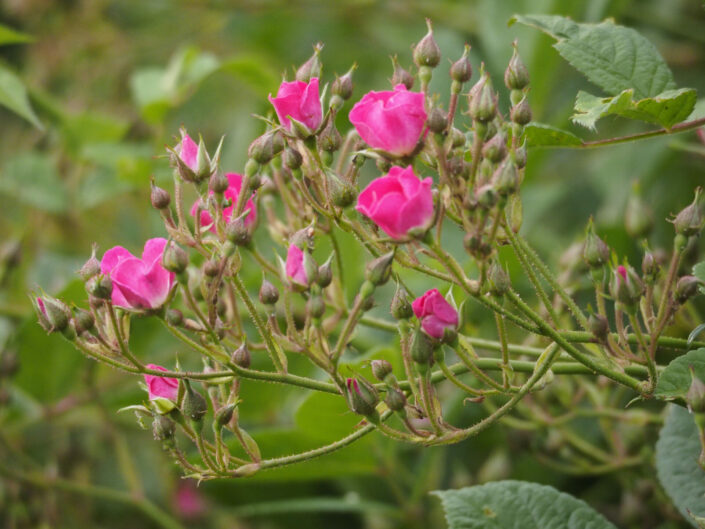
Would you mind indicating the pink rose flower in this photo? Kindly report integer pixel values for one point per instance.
(295, 269)
(187, 150)
(231, 193)
(300, 101)
(188, 502)
(435, 313)
(164, 387)
(398, 202)
(138, 283)
(390, 121)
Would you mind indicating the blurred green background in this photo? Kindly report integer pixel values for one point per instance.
(112, 81)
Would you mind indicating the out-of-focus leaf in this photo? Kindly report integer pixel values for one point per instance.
(89, 127)
(677, 452)
(615, 58)
(517, 504)
(675, 379)
(323, 408)
(100, 186)
(12, 36)
(32, 179)
(252, 71)
(351, 503)
(13, 95)
(542, 135)
(666, 109)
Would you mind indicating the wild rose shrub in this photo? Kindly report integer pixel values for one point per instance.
(458, 170)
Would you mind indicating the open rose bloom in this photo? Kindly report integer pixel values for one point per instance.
(138, 283)
(435, 313)
(392, 121)
(398, 202)
(300, 101)
(231, 194)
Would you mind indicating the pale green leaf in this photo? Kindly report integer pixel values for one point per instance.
(675, 379)
(13, 95)
(613, 57)
(666, 109)
(517, 505)
(677, 452)
(32, 179)
(542, 135)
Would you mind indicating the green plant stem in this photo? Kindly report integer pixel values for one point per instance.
(680, 127)
(122, 341)
(347, 330)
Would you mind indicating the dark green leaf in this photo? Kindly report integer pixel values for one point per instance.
(542, 135)
(613, 57)
(517, 505)
(13, 95)
(666, 109)
(675, 379)
(32, 179)
(677, 452)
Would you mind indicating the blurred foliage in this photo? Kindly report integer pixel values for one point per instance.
(91, 90)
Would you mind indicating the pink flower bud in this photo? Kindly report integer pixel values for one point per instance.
(231, 194)
(390, 121)
(300, 101)
(164, 387)
(435, 313)
(295, 267)
(398, 202)
(187, 151)
(138, 283)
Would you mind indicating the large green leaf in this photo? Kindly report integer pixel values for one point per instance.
(542, 135)
(665, 109)
(13, 95)
(675, 379)
(517, 505)
(677, 452)
(613, 57)
(32, 179)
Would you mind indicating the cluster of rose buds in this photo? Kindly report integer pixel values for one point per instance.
(303, 185)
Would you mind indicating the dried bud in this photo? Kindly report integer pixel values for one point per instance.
(379, 270)
(381, 369)
(686, 288)
(268, 293)
(482, 104)
(599, 327)
(163, 428)
(362, 397)
(437, 120)
(224, 415)
(458, 139)
(401, 76)
(506, 178)
(638, 217)
(689, 221)
(241, 356)
(100, 286)
(461, 70)
(695, 398)
(495, 149)
(499, 282)
(325, 273)
(159, 197)
(521, 112)
(329, 139)
(516, 76)
(422, 346)
(91, 267)
(395, 399)
(312, 67)
(195, 406)
(401, 306)
(427, 52)
(595, 252)
(292, 158)
(175, 258)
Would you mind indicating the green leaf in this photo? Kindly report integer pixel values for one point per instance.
(699, 270)
(12, 36)
(613, 57)
(31, 178)
(666, 109)
(13, 95)
(517, 505)
(677, 452)
(252, 71)
(675, 379)
(542, 135)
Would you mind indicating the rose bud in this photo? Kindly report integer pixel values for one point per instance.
(161, 387)
(482, 104)
(342, 88)
(689, 221)
(427, 52)
(401, 76)
(312, 67)
(437, 120)
(649, 267)
(194, 406)
(53, 314)
(268, 293)
(362, 397)
(138, 283)
(516, 76)
(599, 327)
(595, 252)
(499, 282)
(495, 149)
(395, 399)
(625, 286)
(174, 317)
(330, 139)
(381, 369)
(266, 147)
(521, 112)
(100, 287)
(398, 202)
(391, 121)
(83, 320)
(231, 194)
(379, 270)
(461, 70)
(695, 397)
(422, 346)
(325, 273)
(192, 161)
(300, 101)
(506, 178)
(300, 268)
(91, 267)
(686, 288)
(224, 415)
(292, 158)
(159, 197)
(401, 307)
(241, 356)
(163, 428)
(175, 259)
(238, 232)
(435, 313)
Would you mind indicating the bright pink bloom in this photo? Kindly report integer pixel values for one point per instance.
(391, 121)
(435, 313)
(164, 387)
(295, 269)
(300, 101)
(138, 283)
(187, 150)
(231, 193)
(398, 202)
